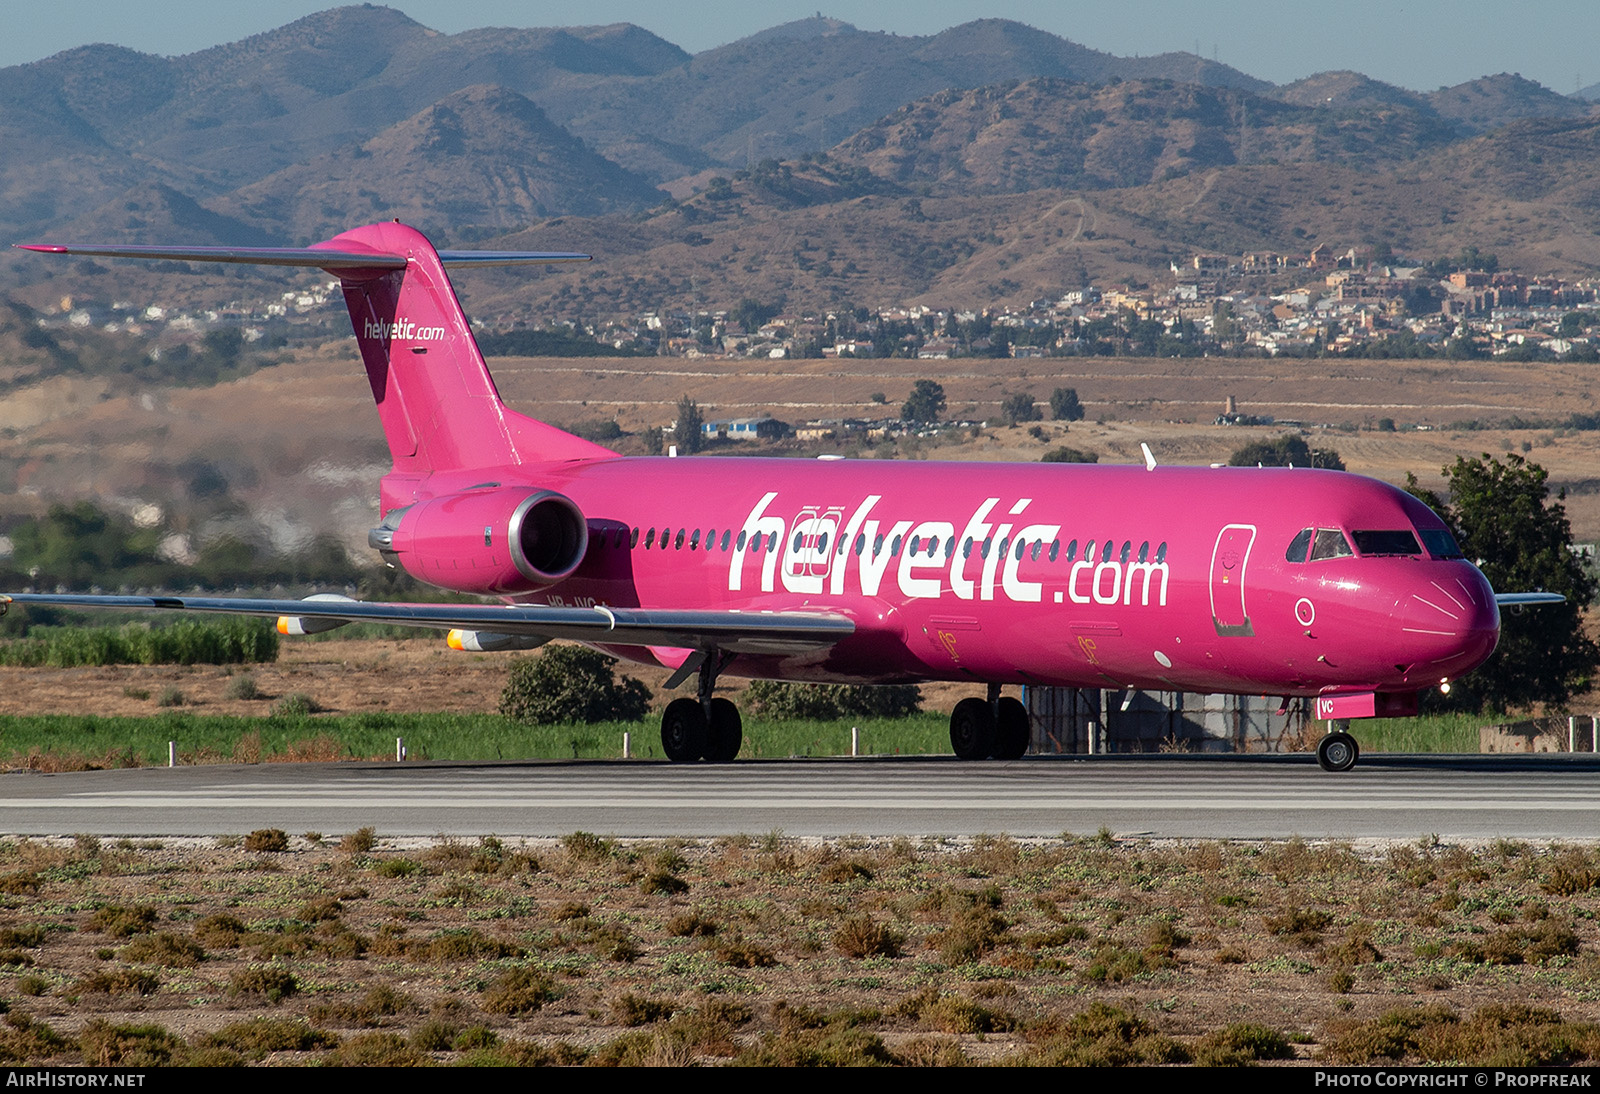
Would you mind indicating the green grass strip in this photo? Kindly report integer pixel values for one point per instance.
(124, 741)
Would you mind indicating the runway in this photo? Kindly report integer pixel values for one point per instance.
(1220, 797)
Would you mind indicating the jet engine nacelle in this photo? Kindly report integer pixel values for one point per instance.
(495, 540)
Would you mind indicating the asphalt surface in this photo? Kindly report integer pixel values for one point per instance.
(1222, 797)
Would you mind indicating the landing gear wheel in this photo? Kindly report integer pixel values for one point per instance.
(684, 730)
(1337, 752)
(972, 730)
(727, 732)
(1010, 730)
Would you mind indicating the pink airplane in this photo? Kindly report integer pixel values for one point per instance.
(1297, 583)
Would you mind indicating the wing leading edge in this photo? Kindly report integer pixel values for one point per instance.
(735, 632)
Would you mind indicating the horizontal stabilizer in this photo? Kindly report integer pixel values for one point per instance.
(1512, 600)
(324, 258)
(736, 632)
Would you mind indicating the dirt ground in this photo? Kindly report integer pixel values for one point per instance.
(350, 676)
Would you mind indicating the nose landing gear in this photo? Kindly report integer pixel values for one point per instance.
(1338, 750)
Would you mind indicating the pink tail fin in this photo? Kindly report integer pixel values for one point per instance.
(437, 402)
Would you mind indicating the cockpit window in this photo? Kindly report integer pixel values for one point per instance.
(1440, 544)
(1329, 543)
(1299, 546)
(1401, 542)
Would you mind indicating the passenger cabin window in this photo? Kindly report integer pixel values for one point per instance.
(1299, 545)
(1400, 542)
(1440, 543)
(1329, 543)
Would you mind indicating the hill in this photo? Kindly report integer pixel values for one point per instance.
(1050, 132)
(814, 162)
(481, 161)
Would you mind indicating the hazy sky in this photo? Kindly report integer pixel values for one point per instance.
(1421, 44)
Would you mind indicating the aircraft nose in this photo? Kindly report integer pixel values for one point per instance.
(1453, 620)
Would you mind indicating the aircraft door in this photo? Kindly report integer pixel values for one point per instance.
(1229, 558)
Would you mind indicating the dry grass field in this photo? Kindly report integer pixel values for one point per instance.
(274, 948)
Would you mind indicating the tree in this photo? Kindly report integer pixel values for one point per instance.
(571, 684)
(1502, 517)
(1019, 408)
(752, 313)
(1289, 450)
(1065, 454)
(924, 404)
(1064, 405)
(689, 430)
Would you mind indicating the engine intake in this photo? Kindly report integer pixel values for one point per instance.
(497, 540)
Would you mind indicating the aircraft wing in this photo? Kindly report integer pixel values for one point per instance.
(735, 632)
(1512, 600)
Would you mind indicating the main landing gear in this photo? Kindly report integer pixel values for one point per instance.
(1338, 751)
(703, 728)
(996, 726)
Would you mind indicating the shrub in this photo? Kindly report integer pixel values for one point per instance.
(221, 930)
(107, 1045)
(744, 954)
(121, 921)
(267, 839)
(396, 867)
(164, 948)
(269, 980)
(830, 702)
(975, 930)
(587, 847)
(256, 1037)
(1066, 454)
(1241, 1044)
(19, 883)
(120, 982)
(638, 1010)
(861, 936)
(567, 684)
(360, 841)
(663, 882)
(171, 696)
(242, 687)
(297, 704)
(518, 992)
(375, 1050)
(691, 925)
